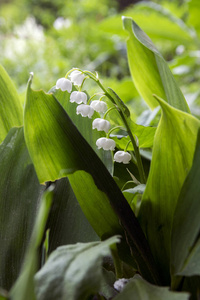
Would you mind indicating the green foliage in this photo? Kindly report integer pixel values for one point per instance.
(12, 112)
(76, 266)
(78, 222)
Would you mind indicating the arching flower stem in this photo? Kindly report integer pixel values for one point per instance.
(112, 129)
(107, 112)
(127, 146)
(96, 94)
(123, 117)
(80, 88)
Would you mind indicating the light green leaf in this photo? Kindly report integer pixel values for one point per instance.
(58, 149)
(144, 134)
(24, 287)
(73, 272)
(19, 198)
(185, 253)
(173, 151)
(139, 289)
(11, 113)
(149, 70)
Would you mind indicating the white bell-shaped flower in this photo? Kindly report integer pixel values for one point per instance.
(122, 157)
(64, 84)
(84, 110)
(99, 106)
(106, 144)
(78, 97)
(101, 125)
(77, 77)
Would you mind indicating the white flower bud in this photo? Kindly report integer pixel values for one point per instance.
(64, 84)
(122, 157)
(101, 125)
(77, 77)
(78, 97)
(106, 144)
(99, 106)
(84, 110)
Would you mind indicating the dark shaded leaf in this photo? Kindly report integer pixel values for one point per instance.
(24, 287)
(19, 197)
(67, 223)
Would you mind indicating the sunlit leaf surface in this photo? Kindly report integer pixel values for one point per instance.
(185, 253)
(173, 152)
(11, 112)
(149, 70)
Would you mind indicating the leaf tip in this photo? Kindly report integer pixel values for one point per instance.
(30, 78)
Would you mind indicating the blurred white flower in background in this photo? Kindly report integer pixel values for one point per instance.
(61, 23)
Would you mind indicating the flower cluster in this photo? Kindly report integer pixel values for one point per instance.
(87, 110)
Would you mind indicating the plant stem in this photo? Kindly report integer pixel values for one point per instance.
(136, 149)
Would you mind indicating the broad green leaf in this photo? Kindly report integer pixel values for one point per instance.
(139, 289)
(19, 198)
(11, 113)
(66, 221)
(24, 287)
(58, 149)
(145, 136)
(78, 271)
(185, 253)
(173, 152)
(149, 70)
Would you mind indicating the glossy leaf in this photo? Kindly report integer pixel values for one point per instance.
(78, 271)
(19, 198)
(139, 289)
(11, 113)
(185, 253)
(24, 287)
(173, 152)
(58, 149)
(149, 70)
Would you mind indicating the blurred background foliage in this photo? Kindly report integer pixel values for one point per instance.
(50, 37)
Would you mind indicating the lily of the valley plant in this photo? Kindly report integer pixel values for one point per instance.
(93, 205)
